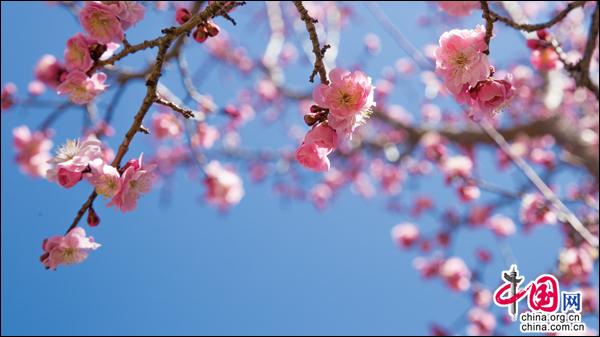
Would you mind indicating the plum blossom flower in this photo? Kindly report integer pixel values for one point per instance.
(460, 60)
(105, 178)
(33, 151)
(456, 274)
(77, 53)
(205, 136)
(128, 12)
(72, 161)
(69, 249)
(136, 180)
(36, 88)
(349, 98)
(405, 234)
(458, 8)
(101, 22)
(468, 192)
(318, 143)
(166, 125)
(457, 167)
(482, 321)
(49, 71)
(223, 186)
(81, 88)
(576, 263)
(490, 96)
(501, 226)
(8, 96)
(545, 59)
(534, 210)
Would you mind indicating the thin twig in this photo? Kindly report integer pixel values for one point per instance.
(319, 66)
(558, 205)
(187, 113)
(535, 27)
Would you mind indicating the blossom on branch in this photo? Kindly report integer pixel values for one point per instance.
(69, 249)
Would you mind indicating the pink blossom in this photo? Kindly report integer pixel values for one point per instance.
(105, 178)
(205, 136)
(479, 215)
(389, 176)
(405, 234)
(77, 54)
(223, 186)
(318, 143)
(422, 204)
(457, 167)
(490, 96)
(468, 192)
(502, 226)
(136, 180)
(428, 268)
(320, 195)
(69, 249)
(128, 12)
(313, 157)
(166, 125)
(482, 298)
(456, 274)
(372, 43)
(545, 59)
(482, 321)
(458, 8)
(460, 60)
(68, 178)
(576, 263)
(32, 151)
(534, 210)
(81, 88)
(36, 88)
(100, 21)
(182, 14)
(49, 71)
(8, 96)
(73, 159)
(434, 146)
(349, 98)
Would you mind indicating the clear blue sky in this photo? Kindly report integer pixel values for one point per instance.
(267, 266)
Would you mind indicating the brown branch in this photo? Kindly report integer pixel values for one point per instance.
(489, 24)
(562, 130)
(187, 113)
(581, 72)
(164, 42)
(535, 27)
(319, 66)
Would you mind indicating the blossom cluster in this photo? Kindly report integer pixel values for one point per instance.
(104, 24)
(463, 64)
(341, 106)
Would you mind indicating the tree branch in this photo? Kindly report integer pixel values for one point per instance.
(319, 66)
(164, 42)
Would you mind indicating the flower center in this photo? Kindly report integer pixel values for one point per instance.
(69, 255)
(345, 98)
(461, 60)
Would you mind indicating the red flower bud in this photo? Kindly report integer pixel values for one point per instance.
(543, 34)
(182, 15)
(92, 219)
(212, 29)
(200, 34)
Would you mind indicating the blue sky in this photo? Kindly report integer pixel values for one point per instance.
(267, 266)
